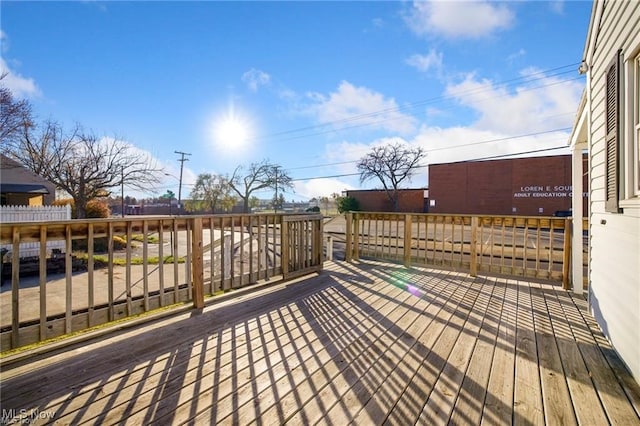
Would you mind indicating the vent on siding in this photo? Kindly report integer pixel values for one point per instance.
(612, 138)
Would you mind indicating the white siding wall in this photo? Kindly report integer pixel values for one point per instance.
(615, 238)
(13, 214)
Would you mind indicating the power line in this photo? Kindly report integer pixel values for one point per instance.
(463, 161)
(528, 78)
(563, 129)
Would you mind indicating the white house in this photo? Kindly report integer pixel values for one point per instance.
(608, 126)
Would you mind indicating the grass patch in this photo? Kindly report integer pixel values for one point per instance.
(151, 239)
(102, 260)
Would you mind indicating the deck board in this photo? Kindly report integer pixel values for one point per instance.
(364, 343)
(498, 403)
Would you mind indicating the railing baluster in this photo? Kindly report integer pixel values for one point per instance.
(550, 251)
(188, 262)
(233, 248)
(252, 278)
(241, 251)
(525, 255)
(90, 276)
(43, 282)
(110, 277)
(128, 268)
(261, 250)
(502, 246)
(539, 231)
(473, 261)
(453, 239)
(161, 262)
(145, 262)
(174, 253)
(15, 288)
(267, 264)
(397, 221)
(274, 244)
(212, 257)
(68, 280)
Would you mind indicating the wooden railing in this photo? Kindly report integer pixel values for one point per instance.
(514, 245)
(163, 261)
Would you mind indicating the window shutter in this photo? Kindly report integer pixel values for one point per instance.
(612, 135)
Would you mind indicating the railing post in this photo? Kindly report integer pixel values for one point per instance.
(566, 254)
(356, 237)
(317, 238)
(348, 254)
(197, 259)
(473, 252)
(407, 240)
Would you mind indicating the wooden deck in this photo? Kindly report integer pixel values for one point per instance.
(365, 343)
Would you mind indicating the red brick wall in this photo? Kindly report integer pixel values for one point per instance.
(523, 186)
(409, 200)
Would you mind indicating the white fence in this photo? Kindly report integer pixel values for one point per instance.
(13, 214)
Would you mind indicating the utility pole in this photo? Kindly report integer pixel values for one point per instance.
(181, 160)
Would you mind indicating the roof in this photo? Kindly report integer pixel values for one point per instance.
(22, 188)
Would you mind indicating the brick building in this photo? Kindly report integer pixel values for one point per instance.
(521, 186)
(376, 200)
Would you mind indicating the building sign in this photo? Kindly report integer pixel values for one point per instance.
(545, 191)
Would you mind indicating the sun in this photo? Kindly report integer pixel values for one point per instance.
(232, 132)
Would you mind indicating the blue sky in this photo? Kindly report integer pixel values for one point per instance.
(311, 85)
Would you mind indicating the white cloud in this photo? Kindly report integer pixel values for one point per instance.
(514, 56)
(508, 121)
(557, 6)
(424, 63)
(320, 187)
(460, 143)
(4, 41)
(352, 106)
(458, 19)
(168, 174)
(546, 103)
(19, 86)
(255, 78)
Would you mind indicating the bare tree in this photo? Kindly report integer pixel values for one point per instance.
(210, 190)
(391, 164)
(15, 116)
(82, 164)
(259, 176)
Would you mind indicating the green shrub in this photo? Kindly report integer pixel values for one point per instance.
(348, 204)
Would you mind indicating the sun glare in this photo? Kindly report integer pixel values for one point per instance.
(232, 132)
